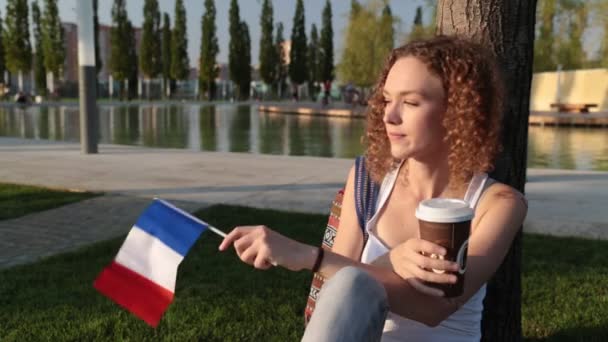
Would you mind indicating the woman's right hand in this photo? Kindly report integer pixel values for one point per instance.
(412, 261)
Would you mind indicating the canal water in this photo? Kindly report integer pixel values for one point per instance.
(232, 128)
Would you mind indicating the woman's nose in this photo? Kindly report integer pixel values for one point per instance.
(392, 113)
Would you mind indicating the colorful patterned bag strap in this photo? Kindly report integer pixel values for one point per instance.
(366, 195)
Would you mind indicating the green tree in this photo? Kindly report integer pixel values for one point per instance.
(18, 51)
(98, 61)
(544, 46)
(355, 7)
(246, 62)
(180, 65)
(39, 71)
(573, 22)
(239, 54)
(386, 33)
(208, 70)
(418, 30)
(268, 53)
(166, 55)
(52, 42)
(2, 61)
(327, 45)
(297, 54)
(602, 7)
(120, 37)
(133, 69)
(314, 62)
(369, 39)
(149, 52)
(234, 21)
(281, 66)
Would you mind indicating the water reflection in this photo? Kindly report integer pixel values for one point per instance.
(229, 128)
(568, 148)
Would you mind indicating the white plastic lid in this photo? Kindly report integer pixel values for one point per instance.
(444, 210)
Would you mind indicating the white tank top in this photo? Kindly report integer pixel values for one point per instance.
(464, 325)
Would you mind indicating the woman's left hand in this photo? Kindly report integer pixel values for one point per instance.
(262, 247)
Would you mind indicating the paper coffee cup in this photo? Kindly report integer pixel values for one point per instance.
(447, 222)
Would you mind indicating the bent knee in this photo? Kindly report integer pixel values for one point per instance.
(354, 281)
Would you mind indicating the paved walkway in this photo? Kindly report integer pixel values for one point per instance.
(70, 227)
(567, 203)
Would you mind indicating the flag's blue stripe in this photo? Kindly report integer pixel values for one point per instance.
(173, 228)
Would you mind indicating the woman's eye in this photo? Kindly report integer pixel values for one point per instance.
(386, 101)
(411, 103)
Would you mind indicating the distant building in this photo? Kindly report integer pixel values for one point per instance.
(286, 51)
(70, 44)
(70, 31)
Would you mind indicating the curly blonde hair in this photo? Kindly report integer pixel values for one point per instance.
(474, 95)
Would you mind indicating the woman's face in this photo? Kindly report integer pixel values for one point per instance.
(414, 108)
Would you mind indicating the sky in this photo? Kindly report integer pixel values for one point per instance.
(250, 12)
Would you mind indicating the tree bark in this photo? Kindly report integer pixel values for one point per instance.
(507, 28)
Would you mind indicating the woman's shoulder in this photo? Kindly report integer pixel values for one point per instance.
(501, 195)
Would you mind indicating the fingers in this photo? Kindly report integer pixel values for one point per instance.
(234, 235)
(427, 247)
(262, 260)
(420, 287)
(434, 264)
(247, 242)
(430, 267)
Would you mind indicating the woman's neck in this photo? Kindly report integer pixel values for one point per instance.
(429, 178)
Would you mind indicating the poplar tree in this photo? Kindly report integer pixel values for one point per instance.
(39, 71)
(245, 62)
(281, 66)
(149, 51)
(133, 69)
(98, 61)
(268, 53)
(208, 70)
(298, 65)
(166, 55)
(239, 54)
(418, 30)
(386, 33)
(327, 45)
(314, 69)
(234, 22)
(2, 61)
(18, 51)
(180, 65)
(120, 33)
(52, 42)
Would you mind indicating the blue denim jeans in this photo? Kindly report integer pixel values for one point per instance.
(352, 306)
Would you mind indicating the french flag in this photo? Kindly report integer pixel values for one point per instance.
(142, 276)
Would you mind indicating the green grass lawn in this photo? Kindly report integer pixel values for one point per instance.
(18, 200)
(218, 298)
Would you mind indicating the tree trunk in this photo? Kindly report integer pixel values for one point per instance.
(148, 89)
(20, 80)
(507, 28)
(50, 80)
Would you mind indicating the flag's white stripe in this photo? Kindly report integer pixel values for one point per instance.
(194, 218)
(149, 257)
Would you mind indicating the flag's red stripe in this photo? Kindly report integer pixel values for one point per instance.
(142, 297)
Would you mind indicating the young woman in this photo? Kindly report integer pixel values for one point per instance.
(432, 131)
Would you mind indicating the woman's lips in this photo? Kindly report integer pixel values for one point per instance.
(396, 136)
